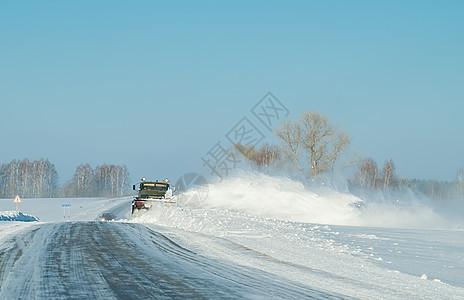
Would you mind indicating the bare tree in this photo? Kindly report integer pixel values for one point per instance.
(459, 183)
(24, 176)
(37, 174)
(82, 184)
(291, 135)
(340, 144)
(111, 180)
(247, 151)
(85, 179)
(267, 155)
(367, 174)
(10, 174)
(2, 180)
(322, 142)
(28, 179)
(316, 134)
(51, 180)
(102, 179)
(264, 156)
(45, 178)
(122, 180)
(388, 173)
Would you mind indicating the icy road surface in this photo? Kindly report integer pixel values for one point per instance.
(97, 260)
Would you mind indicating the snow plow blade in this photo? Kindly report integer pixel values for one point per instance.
(146, 204)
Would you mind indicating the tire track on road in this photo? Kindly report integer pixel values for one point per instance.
(99, 260)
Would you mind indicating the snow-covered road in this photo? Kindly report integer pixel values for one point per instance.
(97, 260)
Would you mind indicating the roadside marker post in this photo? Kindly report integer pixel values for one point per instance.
(66, 209)
(17, 200)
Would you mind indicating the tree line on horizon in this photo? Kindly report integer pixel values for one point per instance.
(310, 145)
(103, 181)
(39, 179)
(30, 179)
(313, 146)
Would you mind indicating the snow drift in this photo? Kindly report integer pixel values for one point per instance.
(282, 198)
(17, 216)
(285, 199)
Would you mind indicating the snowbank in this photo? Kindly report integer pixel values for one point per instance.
(17, 216)
(70, 209)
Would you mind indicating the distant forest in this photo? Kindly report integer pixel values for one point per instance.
(31, 179)
(39, 179)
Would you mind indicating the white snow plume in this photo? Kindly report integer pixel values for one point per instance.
(404, 208)
(281, 198)
(396, 214)
(285, 199)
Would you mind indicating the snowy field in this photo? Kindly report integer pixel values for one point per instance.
(254, 236)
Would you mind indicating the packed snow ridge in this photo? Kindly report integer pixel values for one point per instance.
(17, 216)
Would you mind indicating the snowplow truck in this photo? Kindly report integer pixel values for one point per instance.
(150, 192)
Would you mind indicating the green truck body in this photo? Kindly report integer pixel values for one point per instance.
(152, 190)
(148, 192)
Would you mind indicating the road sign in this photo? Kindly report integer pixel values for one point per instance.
(17, 199)
(66, 210)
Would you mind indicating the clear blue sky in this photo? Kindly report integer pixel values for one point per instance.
(155, 84)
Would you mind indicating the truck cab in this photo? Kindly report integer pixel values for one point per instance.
(150, 192)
